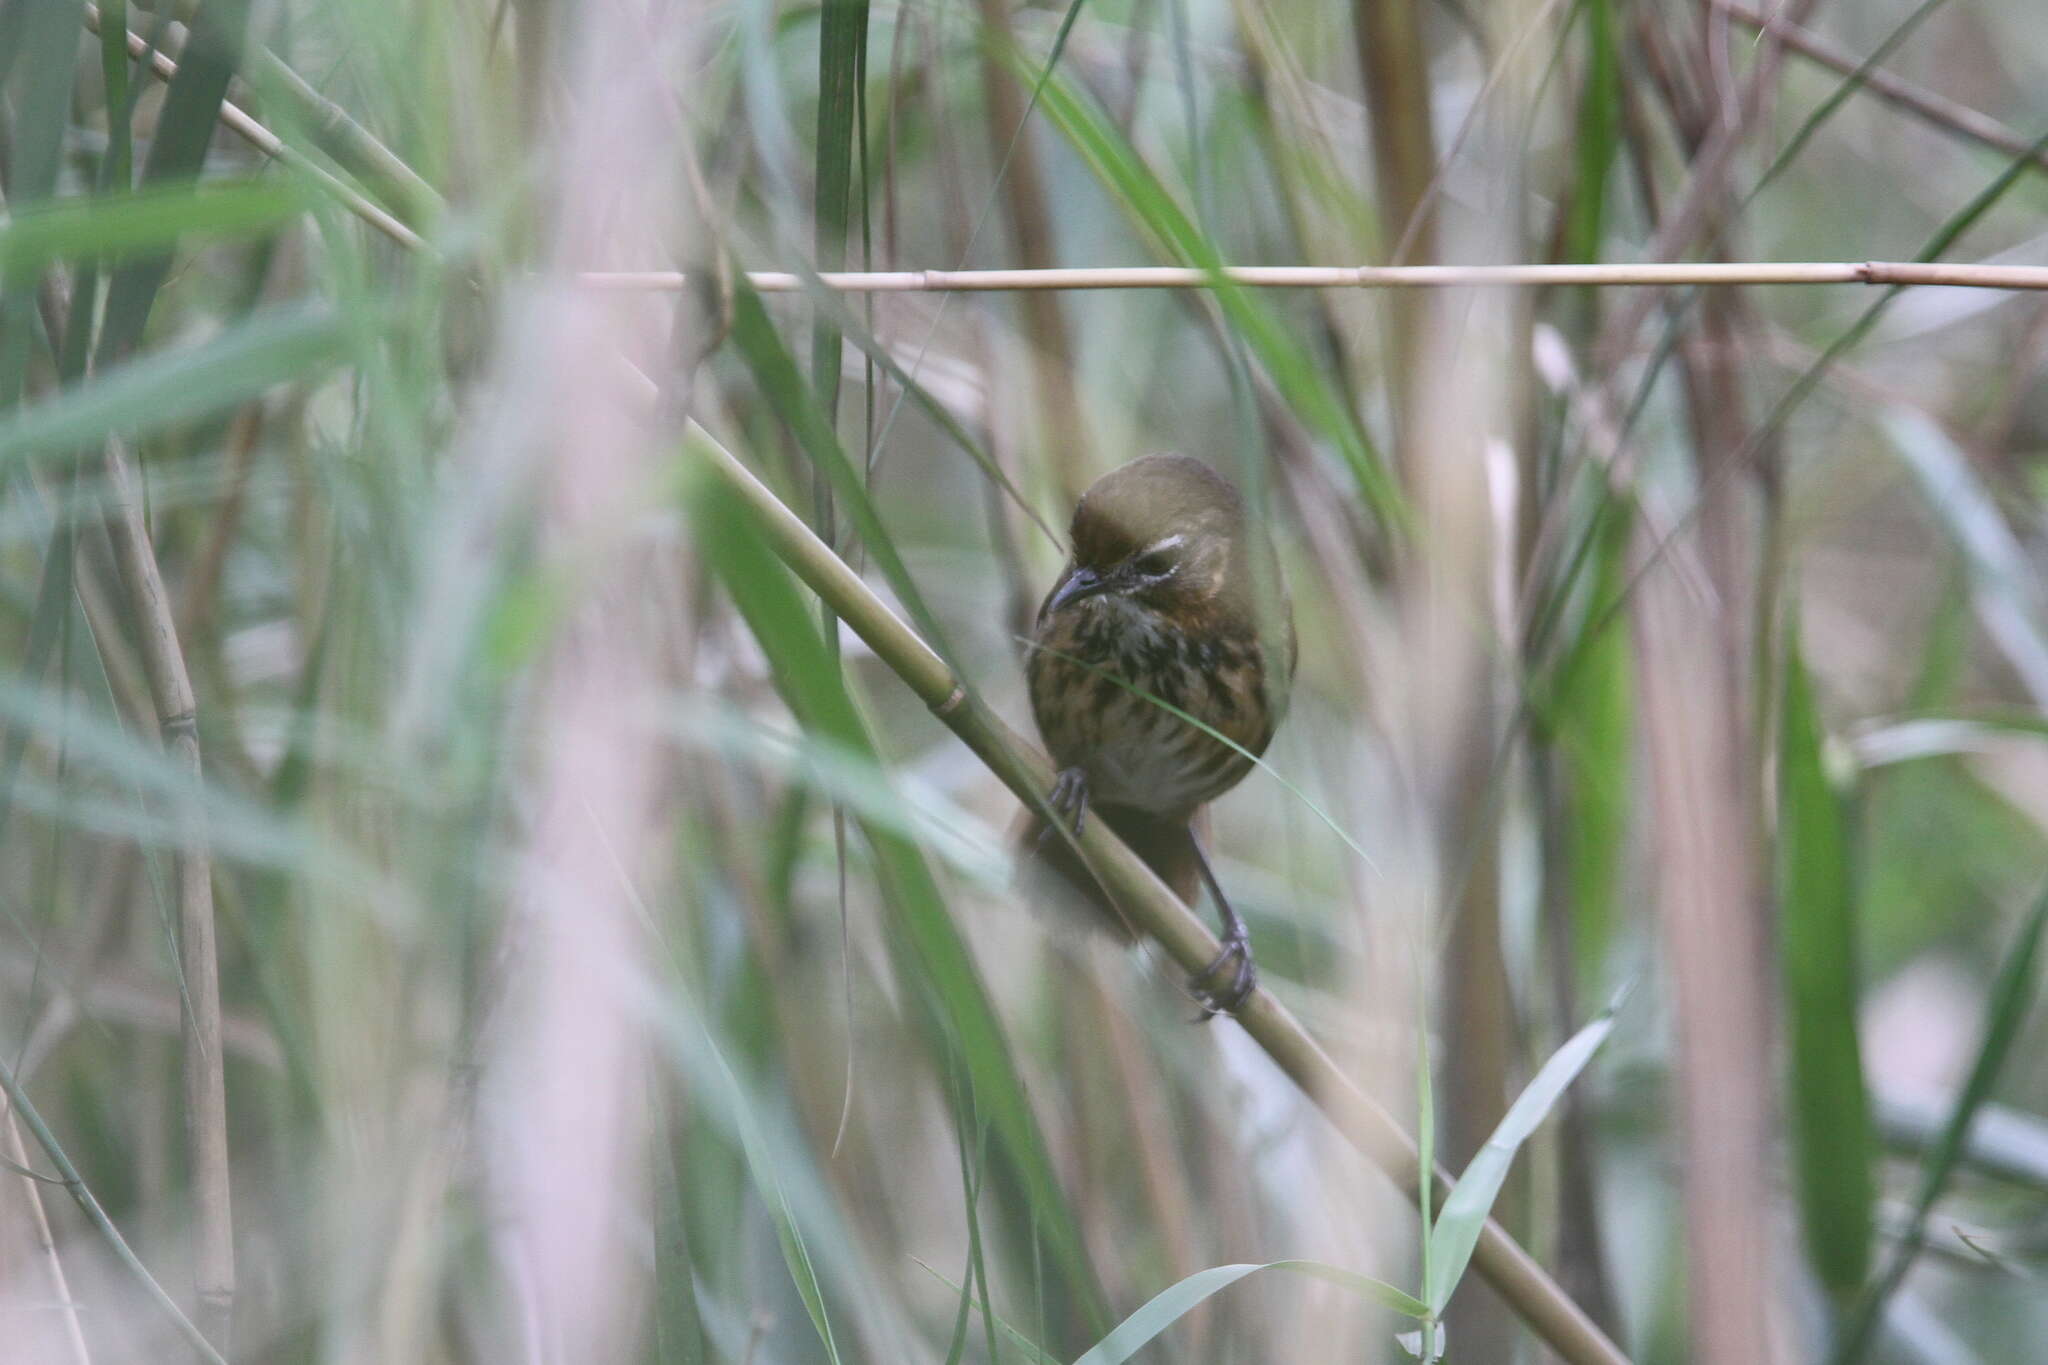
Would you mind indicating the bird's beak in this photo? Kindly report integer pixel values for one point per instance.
(1075, 586)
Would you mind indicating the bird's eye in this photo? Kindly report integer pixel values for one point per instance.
(1158, 564)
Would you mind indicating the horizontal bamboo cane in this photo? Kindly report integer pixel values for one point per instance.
(1961, 275)
(1148, 904)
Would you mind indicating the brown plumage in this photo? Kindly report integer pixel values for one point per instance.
(1161, 596)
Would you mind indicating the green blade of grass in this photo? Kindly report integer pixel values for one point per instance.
(842, 41)
(1832, 1134)
(2004, 1011)
(1599, 135)
(177, 152)
(935, 961)
(1470, 1201)
(41, 48)
(1300, 382)
(797, 405)
(1588, 714)
(126, 224)
(157, 392)
(1174, 1302)
(2004, 587)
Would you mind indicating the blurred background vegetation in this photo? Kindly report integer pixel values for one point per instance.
(460, 900)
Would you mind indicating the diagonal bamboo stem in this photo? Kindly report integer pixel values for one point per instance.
(1147, 902)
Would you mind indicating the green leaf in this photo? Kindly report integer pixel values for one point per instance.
(1833, 1142)
(797, 405)
(130, 223)
(842, 47)
(42, 42)
(1171, 1304)
(1590, 716)
(161, 391)
(1300, 382)
(1598, 134)
(177, 152)
(1470, 1201)
(938, 971)
(2011, 997)
(2004, 587)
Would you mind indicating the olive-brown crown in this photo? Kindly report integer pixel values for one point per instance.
(1137, 505)
(1170, 533)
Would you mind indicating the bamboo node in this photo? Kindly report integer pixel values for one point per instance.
(954, 701)
(184, 725)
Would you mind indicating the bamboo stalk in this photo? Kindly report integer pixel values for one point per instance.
(1147, 902)
(205, 1084)
(1964, 275)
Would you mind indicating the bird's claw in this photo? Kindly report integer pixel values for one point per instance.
(1243, 978)
(1069, 801)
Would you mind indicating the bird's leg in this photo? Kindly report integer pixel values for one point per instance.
(1236, 954)
(1069, 801)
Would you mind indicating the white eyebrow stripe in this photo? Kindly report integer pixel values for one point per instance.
(1167, 544)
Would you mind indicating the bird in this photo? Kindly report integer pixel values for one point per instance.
(1172, 594)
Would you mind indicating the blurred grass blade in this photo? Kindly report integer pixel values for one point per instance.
(1598, 135)
(1470, 1201)
(126, 224)
(1945, 737)
(1839, 96)
(1174, 1302)
(2005, 587)
(796, 404)
(1286, 361)
(842, 42)
(150, 395)
(831, 303)
(1033, 1352)
(2011, 997)
(796, 1253)
(1589, 714)
(1831, 1133)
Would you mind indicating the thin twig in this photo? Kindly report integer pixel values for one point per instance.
(1964, 275)
(46, 1244)
(1146, 901)
(68, 1175)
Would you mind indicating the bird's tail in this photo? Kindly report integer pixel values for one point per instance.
(1049, 868)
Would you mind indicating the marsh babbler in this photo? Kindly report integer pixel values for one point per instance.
(1161, 602)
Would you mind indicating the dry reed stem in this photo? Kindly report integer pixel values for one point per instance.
(1660, 274)
(46, 1248)
(1147, 902)
(205, 1085)
(67, 1175)
(1705, 891)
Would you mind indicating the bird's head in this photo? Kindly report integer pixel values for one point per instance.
(1165, 533)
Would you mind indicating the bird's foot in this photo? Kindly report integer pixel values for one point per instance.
(1226, 983)
(1069, 801)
